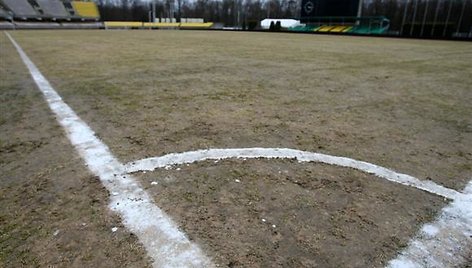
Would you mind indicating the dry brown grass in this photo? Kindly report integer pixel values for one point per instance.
(402, 104)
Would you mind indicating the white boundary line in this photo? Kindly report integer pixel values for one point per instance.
(164, 242)
(302, 156)
(442, 243)
(447, 242)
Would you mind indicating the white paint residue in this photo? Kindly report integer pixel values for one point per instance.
(139, 213)
(430, 230)
(302, 156)
(447, 242)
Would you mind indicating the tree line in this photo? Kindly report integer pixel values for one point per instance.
(457, 13)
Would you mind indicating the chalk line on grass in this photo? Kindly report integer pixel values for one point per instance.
(164, 242)
(446, 242)
(443, 243)
(302, 156)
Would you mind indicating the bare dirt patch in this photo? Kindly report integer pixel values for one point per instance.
(53, 212)
(281, 213)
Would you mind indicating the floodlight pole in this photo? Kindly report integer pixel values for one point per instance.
(404, 16)
(414, 18)
(435, 17)
(153, 11)
(461, 17)
(424, 18)
(447, 18)
(359, 11)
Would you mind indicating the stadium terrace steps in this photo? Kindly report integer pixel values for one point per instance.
(5, 25)
(49, 10)
(4, 15)
(53, 8)
(21, 8)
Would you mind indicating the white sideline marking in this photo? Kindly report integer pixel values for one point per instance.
(302, 156)
(164, 242)
(447, 242)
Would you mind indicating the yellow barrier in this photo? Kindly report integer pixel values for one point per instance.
(123, 24)
(86, 9)
(196, 25)
(137, 24)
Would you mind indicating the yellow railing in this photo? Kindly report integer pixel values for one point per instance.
(137, 24)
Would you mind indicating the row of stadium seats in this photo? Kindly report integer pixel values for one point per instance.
(339, 29)
(137, 24)
(333, 29)
(48, 10)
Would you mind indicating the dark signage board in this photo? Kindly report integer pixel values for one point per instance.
(329, 8)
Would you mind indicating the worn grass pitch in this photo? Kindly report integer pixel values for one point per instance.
(402, 104)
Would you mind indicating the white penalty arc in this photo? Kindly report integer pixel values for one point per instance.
(152, 163)
(446, 242)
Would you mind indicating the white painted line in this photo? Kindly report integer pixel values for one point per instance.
(164, 242)
(447, 242)
(302, 156)
(443, 243)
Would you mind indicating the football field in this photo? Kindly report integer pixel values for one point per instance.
(234, 149)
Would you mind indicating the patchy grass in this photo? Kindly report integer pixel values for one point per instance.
(281, 213)
(53, 212)
(404, 104)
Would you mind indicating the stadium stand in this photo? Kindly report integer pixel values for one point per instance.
(304, 28)
(5, 19)
(4, 14)
(86, 10)
(324, 29)
(53, 9)
(49, 14)
(340, 29)
(351, 25)
(21, 9)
